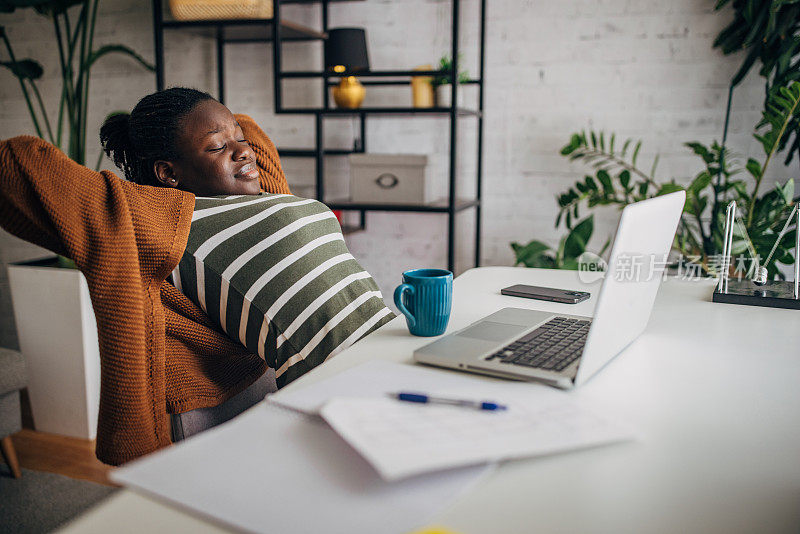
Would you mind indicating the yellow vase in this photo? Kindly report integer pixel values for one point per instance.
(349, 94)
(421, 89)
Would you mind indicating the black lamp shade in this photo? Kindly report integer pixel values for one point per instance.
(347, 47)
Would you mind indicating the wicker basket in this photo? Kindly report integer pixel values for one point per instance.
(220, 9)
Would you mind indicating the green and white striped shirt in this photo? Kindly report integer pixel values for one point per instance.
(274, 273)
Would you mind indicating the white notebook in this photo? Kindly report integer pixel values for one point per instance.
(402, 439)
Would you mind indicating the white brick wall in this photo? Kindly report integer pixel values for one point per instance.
(642, 68)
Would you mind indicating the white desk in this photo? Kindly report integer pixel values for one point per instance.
(711, 387)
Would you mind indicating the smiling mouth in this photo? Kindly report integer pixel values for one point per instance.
(248, 172)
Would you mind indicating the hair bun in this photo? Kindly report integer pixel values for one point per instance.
(116, 140)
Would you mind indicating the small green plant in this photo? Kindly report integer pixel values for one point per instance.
(446, 70)
(74, 34)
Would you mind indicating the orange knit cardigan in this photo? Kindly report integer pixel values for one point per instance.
(159, 353)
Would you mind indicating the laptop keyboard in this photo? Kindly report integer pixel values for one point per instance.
(553, 346)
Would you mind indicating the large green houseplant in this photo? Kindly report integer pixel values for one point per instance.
(73, 26)
(766, 30)
(618, 180)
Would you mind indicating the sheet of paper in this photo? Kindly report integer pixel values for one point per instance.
(274, 470)
(402, 439)
(376, 378)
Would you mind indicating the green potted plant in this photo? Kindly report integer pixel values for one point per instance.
(52, 309)
(441, 82)
(764, 31)
(619, 180)
(74, 35)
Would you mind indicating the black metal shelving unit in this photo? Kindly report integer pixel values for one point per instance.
(278, 31)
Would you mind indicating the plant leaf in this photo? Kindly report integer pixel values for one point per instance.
(780, 109)
(573, 145)
(625, 178)
(786, 192)
(25, 69)
(605, 180)
(577, 239)
(699, 183)
(669, 188)
(636, 153)
(653, 169)
(701, 151)
(529, 254)
(8, 6)
(117, 48)
(53, 7)
(754, 168)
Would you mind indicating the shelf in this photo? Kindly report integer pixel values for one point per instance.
(311, 153)
(359, 74)
(232, 31)
(364, 76)
(334, 83)
(386, 111)
(439, 206)
(250, 30)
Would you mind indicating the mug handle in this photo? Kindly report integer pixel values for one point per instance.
(398, 301)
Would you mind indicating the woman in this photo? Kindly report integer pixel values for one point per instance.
(161, 353)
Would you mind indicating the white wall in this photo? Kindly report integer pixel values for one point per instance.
(642, 68)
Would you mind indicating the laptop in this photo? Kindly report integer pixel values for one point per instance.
(562, 349)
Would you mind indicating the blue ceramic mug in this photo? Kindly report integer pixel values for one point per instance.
(425, 298)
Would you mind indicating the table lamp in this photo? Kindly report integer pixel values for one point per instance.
(346, 51)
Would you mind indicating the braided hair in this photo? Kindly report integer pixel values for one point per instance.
(136, 140)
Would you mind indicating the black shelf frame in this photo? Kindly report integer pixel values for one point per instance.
(461, 112)
(440, 206)
(277, 31)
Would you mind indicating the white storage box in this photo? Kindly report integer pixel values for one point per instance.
(389, 179)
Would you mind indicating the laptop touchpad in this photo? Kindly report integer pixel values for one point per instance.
(491, 331)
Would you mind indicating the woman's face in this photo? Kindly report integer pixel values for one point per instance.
(214, 158)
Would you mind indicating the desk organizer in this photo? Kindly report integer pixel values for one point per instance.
(773, 294)
(759, 291)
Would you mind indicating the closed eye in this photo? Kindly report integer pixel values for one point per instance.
(217, 149)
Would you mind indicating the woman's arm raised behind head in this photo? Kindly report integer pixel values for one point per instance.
(269, 163)
(126, 239)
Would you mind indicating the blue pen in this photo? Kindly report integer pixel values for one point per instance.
(427, 399)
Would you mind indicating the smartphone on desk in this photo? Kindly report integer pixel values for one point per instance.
(566, 296)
